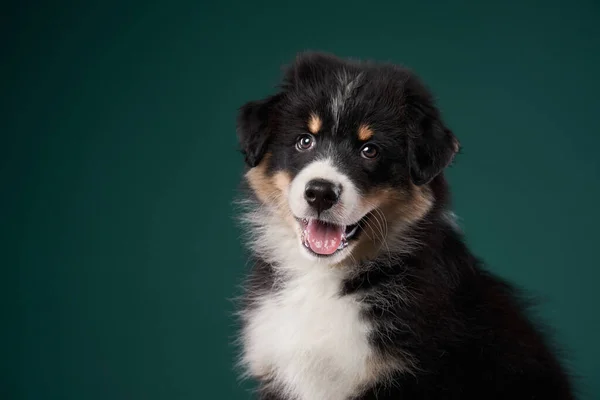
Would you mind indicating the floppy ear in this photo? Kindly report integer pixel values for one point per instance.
(431, 150)
(253, 129)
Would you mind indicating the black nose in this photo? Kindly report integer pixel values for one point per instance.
(321, 194)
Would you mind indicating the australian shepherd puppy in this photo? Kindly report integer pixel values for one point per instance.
(361, 285)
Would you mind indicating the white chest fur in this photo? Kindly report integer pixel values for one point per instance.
(311, 340)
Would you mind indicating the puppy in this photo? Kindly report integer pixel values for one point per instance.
(361, 285)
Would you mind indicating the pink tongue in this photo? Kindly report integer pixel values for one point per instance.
(323, 238)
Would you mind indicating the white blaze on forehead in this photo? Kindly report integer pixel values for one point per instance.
(346, 84)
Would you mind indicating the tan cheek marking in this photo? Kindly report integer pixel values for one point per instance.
(365, 132)
(406, 206)
(260, 183)
(272, 190)
(314, 124)
(282, 181)
(400, 209)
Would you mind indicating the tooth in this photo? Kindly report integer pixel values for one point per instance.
(343, 244)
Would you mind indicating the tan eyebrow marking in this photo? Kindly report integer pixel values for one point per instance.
(365, 132)
(314, 124)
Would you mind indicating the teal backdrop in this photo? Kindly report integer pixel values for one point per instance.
(119, 162)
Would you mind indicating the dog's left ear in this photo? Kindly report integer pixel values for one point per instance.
(253, 130)
(431, 149)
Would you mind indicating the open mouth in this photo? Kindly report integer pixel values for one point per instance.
(324, 238)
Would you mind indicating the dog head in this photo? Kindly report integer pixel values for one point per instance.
(344, 154)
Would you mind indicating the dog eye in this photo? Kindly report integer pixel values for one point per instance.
(369, 151)
(305, 142)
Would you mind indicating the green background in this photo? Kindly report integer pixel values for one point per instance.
(119, 163)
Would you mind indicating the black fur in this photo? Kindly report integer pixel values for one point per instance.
(468, 329)
(253, 129)
(468, 332)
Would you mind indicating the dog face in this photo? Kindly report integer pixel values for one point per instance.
(344, 154)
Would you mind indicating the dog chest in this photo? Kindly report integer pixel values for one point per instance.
(309, 338)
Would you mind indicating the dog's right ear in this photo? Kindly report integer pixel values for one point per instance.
(253, 130)
(432, 148)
